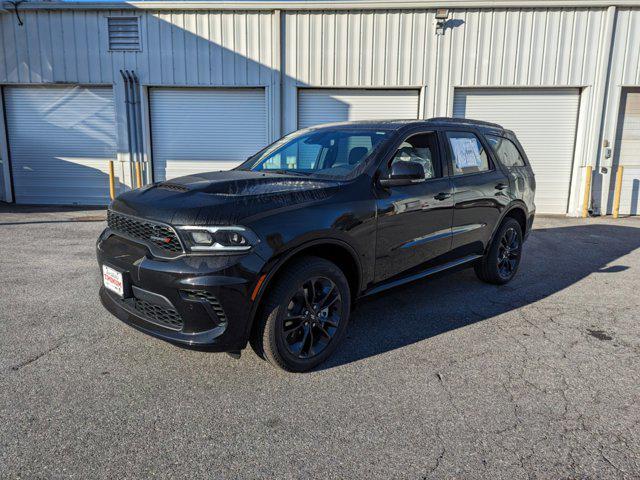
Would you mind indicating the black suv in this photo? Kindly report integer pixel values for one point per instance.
(276, 251)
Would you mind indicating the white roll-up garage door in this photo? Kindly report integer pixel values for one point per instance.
(196, 130)
(316, 106)
(628, 151)
(60, 142)
(545, 122)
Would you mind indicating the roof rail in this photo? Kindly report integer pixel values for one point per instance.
(467, 120)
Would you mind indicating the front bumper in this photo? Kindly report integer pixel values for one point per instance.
(199, 301)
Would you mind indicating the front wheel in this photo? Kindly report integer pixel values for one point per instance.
(305, 315)
(501, 262)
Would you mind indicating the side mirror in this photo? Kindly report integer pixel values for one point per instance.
(403, 173)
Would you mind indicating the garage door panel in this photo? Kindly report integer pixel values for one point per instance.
(628, 151)
(203, 129)
(317, 106)
(545, 122)
(66, 162)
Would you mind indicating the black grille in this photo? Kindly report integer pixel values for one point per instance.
(173, 186)
(166, 317)
(210, 299)
(161, 236)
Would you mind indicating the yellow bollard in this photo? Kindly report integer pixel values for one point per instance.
(138, 175)
(617, 192)
(112, 181)
(587, 193)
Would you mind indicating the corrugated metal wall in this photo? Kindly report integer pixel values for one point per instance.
(624, 72)
(516, 47)
(178, 48)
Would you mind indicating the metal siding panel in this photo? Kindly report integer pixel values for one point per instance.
(197, 130)
(68, 47)
(631, 59)
(80, 41)
(215, 48)
(511, 47)
(240, 49)
(151, 44)
(67, 161)
(93, 47)
(10, 54)
(418, 49)
(314, 76)
(496, 58)
(316, 106)
(267, 46)
(328, 49)
(342, 46)
(379, 47)
(391, 45)
(253, 48)
(366, 45)
(33, 47)
(178, 52)
(545, 121)
(190, 49)
(166, 48)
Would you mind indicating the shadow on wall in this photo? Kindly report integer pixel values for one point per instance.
(422, 310)
(200, 130)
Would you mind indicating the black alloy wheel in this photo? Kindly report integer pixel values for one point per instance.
(502, 259)
(312, 317)
(304, 315)
(509, 252)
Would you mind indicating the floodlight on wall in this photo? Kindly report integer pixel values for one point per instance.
(442, 14)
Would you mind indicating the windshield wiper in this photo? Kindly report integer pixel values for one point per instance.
(288, 172)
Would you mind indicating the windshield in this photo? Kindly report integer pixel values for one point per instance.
(325, 152)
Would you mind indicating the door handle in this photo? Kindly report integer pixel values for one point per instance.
(501, 186)
(442, 196)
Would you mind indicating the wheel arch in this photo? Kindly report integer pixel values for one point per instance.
(516, 210)
(334, 250)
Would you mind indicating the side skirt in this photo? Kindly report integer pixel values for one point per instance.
(425, 273)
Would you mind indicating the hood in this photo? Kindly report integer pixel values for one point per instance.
(221, 198)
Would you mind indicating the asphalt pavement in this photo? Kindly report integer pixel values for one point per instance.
(444, 378)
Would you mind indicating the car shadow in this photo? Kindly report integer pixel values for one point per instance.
(553, 259)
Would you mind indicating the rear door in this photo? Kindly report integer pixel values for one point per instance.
(480, 191)
(414, 221)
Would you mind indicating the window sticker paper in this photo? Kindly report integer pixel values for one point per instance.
(466, 152)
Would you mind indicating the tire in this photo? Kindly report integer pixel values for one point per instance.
(304, 316)
(500, 264)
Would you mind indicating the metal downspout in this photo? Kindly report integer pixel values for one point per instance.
(127, 103)
(137, 109)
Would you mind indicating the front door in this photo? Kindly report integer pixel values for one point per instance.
(414, 221)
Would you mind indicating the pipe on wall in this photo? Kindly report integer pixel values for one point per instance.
(134, 122)
(127, 102)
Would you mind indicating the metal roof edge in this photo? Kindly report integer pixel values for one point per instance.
(319, 4)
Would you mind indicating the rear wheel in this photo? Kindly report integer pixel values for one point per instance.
(305, 315)
(501, 262)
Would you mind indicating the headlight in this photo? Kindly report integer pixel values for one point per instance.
(218, 239)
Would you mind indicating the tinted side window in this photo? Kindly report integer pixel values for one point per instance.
(507, 152)
(467, 153)
(423, 149)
